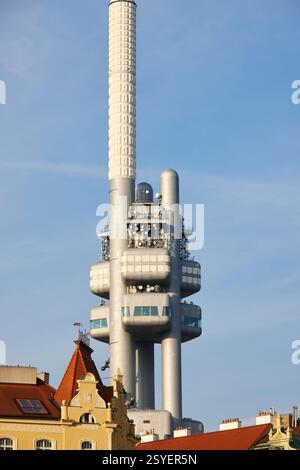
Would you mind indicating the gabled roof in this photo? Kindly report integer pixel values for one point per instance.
(233, 439)
(81, 362)
(10, 392)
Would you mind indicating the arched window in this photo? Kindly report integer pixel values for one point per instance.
(87, 418)
(6, 443)
(43, 444)
(86, 445)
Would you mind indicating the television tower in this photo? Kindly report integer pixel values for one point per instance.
(145, 270)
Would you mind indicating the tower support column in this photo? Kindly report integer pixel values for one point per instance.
(145, 386)
(171, 343)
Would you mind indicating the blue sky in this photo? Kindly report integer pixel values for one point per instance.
(214, 102)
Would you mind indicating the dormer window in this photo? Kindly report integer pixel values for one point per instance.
(31, 406)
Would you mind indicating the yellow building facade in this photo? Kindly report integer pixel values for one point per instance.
(87, 422)
(281, 436)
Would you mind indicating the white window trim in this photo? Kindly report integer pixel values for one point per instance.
(14, 441)
(94, 446)
(53, 443)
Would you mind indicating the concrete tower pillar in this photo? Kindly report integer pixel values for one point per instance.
(122, 164)
(145, 387)
(171, 343)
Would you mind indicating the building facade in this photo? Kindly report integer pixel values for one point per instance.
(272, 431)
(90, 416)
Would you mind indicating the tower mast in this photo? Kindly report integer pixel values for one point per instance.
(145, 270)
(122, 165)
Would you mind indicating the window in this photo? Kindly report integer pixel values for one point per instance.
(145, 311)
(6, 443)
(167, 311)
(43, 444)
(154, 311)
(100, 323)
(192, 322)
(32, 406)
(138, 311)
(125, 311)
(86, 445)
(87, 418)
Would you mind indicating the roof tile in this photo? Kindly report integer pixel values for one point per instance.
(43, 392)
(233, 439)
(81, 362)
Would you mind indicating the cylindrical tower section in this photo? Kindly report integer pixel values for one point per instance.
(122, 156)
(122, 89)
(171, 343)
(145, 387)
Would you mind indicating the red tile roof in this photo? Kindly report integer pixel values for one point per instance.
(10, 392)
(80, 363)
(233, 439)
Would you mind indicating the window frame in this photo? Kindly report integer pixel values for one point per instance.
(167, 311)
(28, 410)
(93, 421)
(191, 322)
(44, 439)
(154, 309)
(93, 444)
(98, 323)
(138, 311)
(125, 311)
(146, 311)
(11, 446)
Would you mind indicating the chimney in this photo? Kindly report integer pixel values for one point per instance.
(232, 423)
(264, 417)
(44, 376)
(149, 437)
(182, 432)
(18, 375)
(295, 415)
